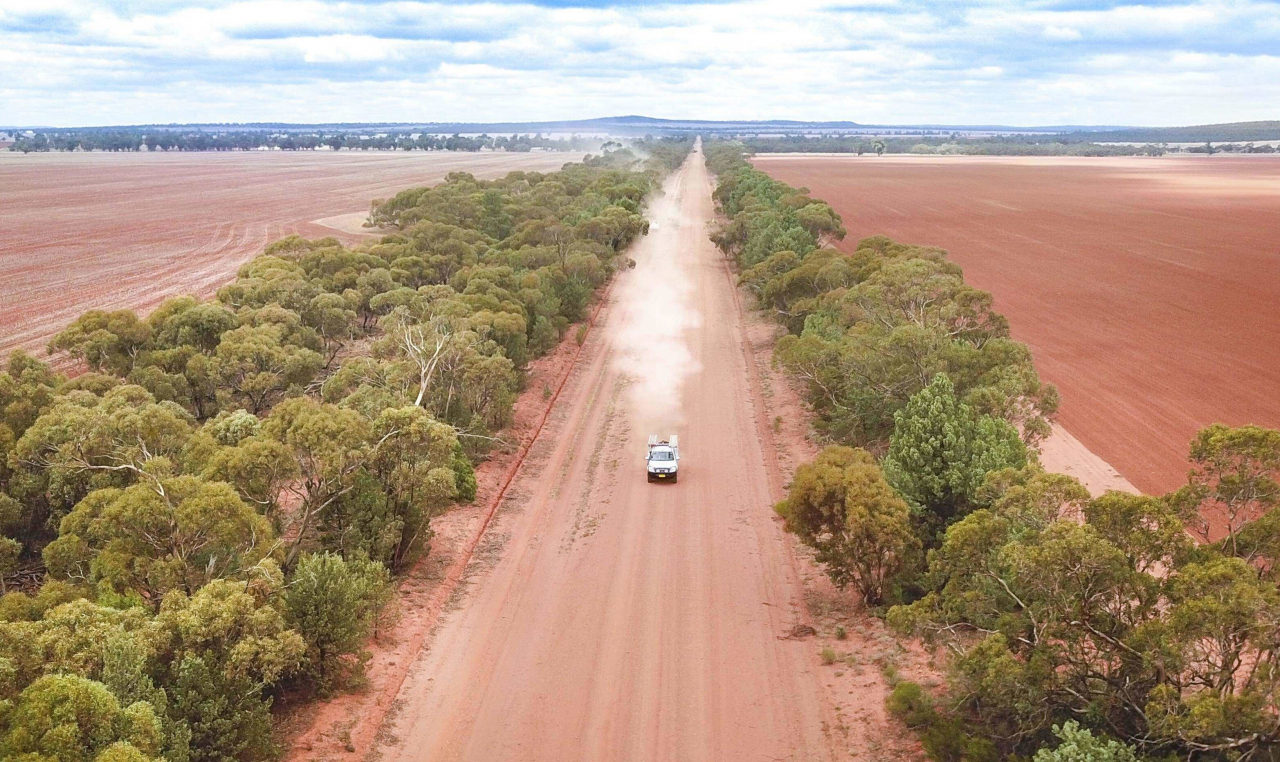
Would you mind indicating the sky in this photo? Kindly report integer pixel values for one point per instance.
(1017, 62)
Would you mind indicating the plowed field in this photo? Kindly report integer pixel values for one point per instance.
(1149, 289)
(81, 231)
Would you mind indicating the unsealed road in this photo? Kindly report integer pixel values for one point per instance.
(623, 620)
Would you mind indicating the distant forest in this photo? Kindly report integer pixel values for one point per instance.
(997, 145)
(162, 139)
(1235, 132)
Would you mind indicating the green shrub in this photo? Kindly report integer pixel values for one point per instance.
(72, 719)
(944, 738)
(1077, 744)
(228, 717)
(545, 336)
(910, 703)
(21, 607)
(941, 452)
(464, 475)
(947, 741)
(332, 602)
(841, 506)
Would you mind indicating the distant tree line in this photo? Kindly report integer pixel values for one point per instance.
(160, 139)
(210, 515)
(1212, 148)
(1122, 627)
(1233, 132)
(1005, 145)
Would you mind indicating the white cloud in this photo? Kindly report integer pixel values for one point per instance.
(1019, 62)
(343, 48)
(1062, 33)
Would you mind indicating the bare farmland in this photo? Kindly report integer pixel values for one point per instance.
(81, 231)
(1149, 289)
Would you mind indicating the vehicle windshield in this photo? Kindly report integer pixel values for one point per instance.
(661, 455)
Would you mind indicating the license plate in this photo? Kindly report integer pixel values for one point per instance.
(662, 476)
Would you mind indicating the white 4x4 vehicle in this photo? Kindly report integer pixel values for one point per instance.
(663, 460)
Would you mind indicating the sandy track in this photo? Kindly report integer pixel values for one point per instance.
(616, 619)
(1149, 289)
(82, 231)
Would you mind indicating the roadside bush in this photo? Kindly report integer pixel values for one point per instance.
(910, 703)
(1032, 601)
(228, 717)
(331, 602)
(941, 452)
(944, 738)
(464, 476)
(1077, 744)
(869, 329)
(841, 505)
(947, 741)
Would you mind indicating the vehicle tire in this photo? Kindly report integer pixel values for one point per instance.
(649, 478)
(675, 478)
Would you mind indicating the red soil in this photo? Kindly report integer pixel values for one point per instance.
(82, 231)
(1149, 289)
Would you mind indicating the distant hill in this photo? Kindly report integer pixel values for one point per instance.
(635, 125)
(627, 126)
(613, 125)
(1236, 132)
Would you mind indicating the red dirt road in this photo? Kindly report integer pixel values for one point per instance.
(612, 619)
(1149, 289)
(83, 231)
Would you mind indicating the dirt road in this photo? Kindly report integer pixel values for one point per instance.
(621, 620)
(80, 231)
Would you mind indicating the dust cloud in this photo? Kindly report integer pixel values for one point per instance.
(657, 311)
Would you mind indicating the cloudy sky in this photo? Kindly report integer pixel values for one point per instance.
(1022, 62)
